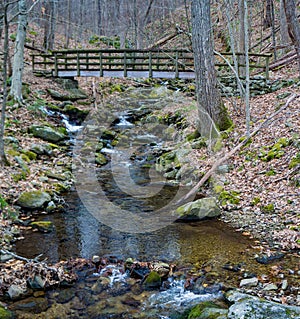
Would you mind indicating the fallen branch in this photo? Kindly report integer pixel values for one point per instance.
(234, 150)
(36, 259)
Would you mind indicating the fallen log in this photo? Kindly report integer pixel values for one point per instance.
(225, 157)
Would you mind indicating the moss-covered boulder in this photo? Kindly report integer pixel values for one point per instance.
(199, 209)
(100, 159)
(207, 310)
(33, 199)
(6, 314)
(43, 226)
(47, 133)
(153, 281)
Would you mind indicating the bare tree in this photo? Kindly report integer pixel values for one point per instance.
(293, 25)
(3, 158)
(212, 113)
(18, 61)
(284, 35)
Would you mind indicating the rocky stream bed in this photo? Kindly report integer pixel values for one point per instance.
(186, 269)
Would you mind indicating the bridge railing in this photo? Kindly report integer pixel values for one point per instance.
(131, 63)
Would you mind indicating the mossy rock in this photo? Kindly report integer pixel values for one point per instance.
(43, 226)
(194, 135)
(30, 155)
(153, 281)
(6, 314)
(199, 209)
(33, 199)
(75, 113)
(61, 187)
(207, 310)
(100, 159)
(47, 133)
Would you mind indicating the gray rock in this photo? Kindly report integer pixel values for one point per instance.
(33, 199)
(199, 209)
(41, 149)
(249, 282)
(47, 133)
(250, 307)
(270, 287)
(15, 291)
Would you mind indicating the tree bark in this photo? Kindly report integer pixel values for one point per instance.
(212, 113)
(284, 34)
(18, 61)
(293, 25)
(3, 158)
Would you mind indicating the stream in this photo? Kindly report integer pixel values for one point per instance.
(198, 248)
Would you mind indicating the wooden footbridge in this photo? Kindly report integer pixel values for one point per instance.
(132, 63)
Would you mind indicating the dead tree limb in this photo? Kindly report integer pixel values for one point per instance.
(225, 157)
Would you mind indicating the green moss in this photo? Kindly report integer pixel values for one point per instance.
(295, 161)
(271, 172)
(255, 201)
(19, 176)
(153, 280)
(192, 136)
(43, 226)
(12, 152)
(61, 188)
(25, 158)
(269, 208)
(5, 314)
(229, 197)
(100, 159)
(198, 311)
(218, 144)
(274, 151)
(30, 155)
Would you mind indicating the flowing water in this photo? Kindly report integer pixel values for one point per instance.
(195, 247)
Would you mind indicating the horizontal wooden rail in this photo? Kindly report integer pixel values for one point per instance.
(131, 63)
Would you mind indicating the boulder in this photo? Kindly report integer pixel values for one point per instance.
(47, 133)
(72, 95)
(249, 282)
(207, 310)
(33, 199)
(152, 281)
(199, 209)
(16, 291)
(250, 307)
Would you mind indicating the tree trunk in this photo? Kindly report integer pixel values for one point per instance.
(268, 17)
(293, 25)
(284, 34)
(241, 43)
(3, 159)
(212, 113)
(18, 64)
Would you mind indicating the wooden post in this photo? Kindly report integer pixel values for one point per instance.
(78, 64)
(267, 67)
(176, 66)
(125, 65)
(87, 60)
(55, 65)
(33, 62)
(100, 64)
(150, 65)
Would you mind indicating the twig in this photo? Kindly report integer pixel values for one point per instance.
(235, 149)
(287, 175)
(36, 259)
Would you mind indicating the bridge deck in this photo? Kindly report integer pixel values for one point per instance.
(131, 63)
(130, 74)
